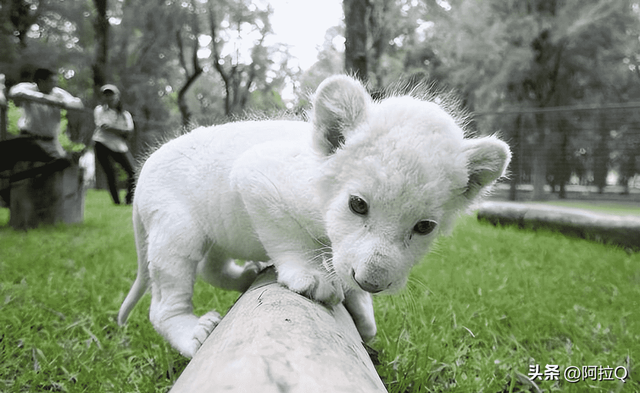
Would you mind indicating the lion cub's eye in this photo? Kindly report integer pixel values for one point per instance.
(425, 227)
(358, 205)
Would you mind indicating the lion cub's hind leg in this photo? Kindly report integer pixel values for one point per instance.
(171, 313)
(223, 272)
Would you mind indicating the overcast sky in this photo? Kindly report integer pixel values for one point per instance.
(302, 24)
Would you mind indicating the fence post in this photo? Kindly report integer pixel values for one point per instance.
(274, 340)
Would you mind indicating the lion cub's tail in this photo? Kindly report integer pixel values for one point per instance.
(141, 282)
(138, 289)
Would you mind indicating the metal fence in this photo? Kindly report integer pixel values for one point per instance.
(590, 152)
(586, 152)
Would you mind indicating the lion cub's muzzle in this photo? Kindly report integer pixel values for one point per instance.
(370, 284)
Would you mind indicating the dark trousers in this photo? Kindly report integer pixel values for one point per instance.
(104, 155)
(21, 148)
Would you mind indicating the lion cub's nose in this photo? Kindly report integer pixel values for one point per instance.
(370, 286)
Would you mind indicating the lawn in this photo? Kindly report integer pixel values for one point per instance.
(487, 304)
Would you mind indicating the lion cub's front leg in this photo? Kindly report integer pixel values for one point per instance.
(313, 282)
(284, 218)
(360, 305)
(319, 285)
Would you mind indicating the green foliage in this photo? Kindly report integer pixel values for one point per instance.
(69, 145)
(13, 115)
(266, 101)
(144, 55)
(483, 306)
(536, 54)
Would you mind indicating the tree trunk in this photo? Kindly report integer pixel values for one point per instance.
(22, 17)
(356, 18)
(516, 164)
(238, 79)
(539, 167)
(564, 172)
(101, 26)
(379, 27)
(191, 76)
(601, 159)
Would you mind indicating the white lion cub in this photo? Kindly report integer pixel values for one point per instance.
(343, 205)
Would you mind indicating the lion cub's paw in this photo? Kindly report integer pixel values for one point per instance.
(313, 285)
(251, 267)
(247, 274)
(203, 329)
(251, 270)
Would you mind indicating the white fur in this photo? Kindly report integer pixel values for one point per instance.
(279, 191)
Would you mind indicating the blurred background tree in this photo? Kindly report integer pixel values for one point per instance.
(512, 62)
(155, 51)
(535, 55)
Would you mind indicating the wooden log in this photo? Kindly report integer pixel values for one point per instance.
(274, 340)
(47, 199)
(607, 228)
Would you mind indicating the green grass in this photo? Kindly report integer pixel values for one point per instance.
(60, 290)
(486, 304)
(490, 301)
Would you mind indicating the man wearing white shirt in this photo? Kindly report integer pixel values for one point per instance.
(39, 126)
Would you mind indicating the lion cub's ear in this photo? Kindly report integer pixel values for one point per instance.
(340, 104)
(487, 160)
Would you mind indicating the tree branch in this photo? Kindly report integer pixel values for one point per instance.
(216, 57)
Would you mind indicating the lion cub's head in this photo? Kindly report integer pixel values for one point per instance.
(395, 174)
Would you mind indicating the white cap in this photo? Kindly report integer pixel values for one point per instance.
(111, 88)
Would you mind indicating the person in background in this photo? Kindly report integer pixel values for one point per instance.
(39, 126)
(3, 99)
(113, 126)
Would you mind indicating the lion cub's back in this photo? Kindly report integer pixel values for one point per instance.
(203, 158)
